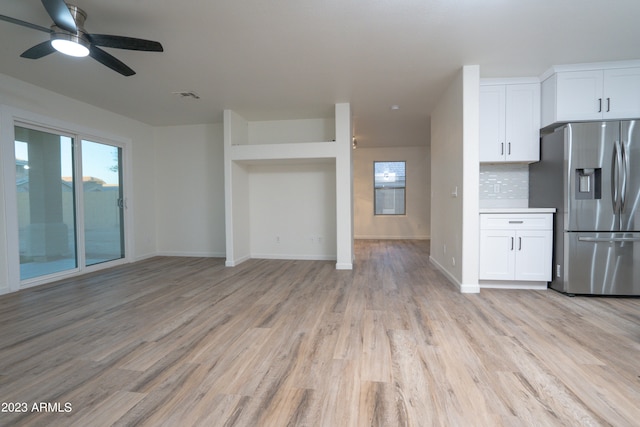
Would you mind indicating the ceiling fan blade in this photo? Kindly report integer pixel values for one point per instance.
(120, 42)
(60, 14)
(24, 23)
(39, 50)
(110, 61)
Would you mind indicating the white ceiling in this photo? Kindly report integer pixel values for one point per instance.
(283, 59)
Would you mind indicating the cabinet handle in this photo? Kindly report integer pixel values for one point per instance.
(516, 222)
(608, 104)
(512, 243)
(502, 148)
(599, 105)
(509, 149)
(519, 243)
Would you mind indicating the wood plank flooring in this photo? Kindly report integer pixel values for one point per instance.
(189, 342)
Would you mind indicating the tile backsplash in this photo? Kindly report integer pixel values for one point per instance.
(504, 185)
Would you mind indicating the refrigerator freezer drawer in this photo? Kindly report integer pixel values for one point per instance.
(602, 263)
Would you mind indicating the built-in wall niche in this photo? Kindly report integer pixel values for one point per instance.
(292, 209)
(288, 188)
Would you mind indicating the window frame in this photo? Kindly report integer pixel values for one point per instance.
(403, 188)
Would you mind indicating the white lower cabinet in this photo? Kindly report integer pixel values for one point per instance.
(516, 249)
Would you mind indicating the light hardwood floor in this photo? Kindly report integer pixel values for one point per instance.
(187, 341)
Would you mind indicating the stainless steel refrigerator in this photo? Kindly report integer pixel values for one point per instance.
(590, 172)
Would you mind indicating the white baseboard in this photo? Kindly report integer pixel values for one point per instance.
(143, 257)
(469, 288)
(344, 266)
(318, 257)
(192, 254)
(234, 262)
(465, 288)
(386, 237)
(444, 271)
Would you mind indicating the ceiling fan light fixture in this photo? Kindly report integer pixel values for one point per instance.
(68, 36)
(70, 44)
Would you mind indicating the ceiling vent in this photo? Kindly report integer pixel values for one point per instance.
(187, 94)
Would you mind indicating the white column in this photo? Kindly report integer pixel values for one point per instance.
(344, 188)
(236, 190)
(470, 179)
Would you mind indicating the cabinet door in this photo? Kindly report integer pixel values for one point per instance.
(621, 93)
(522, 123)
(497, 254)
(579, 95)
(533, 255)
(492, 123)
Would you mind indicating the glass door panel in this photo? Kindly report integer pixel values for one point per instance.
(103, 202)
(46, 202)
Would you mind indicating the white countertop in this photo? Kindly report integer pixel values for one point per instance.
(517, 210)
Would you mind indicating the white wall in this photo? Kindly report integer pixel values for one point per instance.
(293, 210)
(20, 95)
(455, 167)
(416, 223)
(291, 131)
(190, 190)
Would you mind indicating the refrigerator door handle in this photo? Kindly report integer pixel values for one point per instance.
(608, 239)
(615, 178)
(625, 168)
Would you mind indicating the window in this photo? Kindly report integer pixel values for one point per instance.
(389, 188)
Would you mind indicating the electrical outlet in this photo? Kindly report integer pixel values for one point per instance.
(453, 261)
(277, 239)
(444, 248)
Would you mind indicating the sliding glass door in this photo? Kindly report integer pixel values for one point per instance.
(45, 188)
(65, 222)
(103, 202)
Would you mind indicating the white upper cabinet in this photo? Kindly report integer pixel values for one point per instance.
(621, 95)
(509, 122)
(579, 95)
(492, 122)
(592, 94)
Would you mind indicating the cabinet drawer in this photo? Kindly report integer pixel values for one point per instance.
(516, 221)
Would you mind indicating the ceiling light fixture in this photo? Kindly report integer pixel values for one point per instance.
(395, 107)
(71, 43)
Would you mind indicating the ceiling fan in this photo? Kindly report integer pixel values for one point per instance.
(67, 35)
